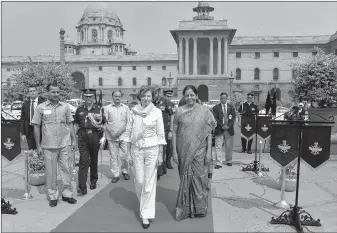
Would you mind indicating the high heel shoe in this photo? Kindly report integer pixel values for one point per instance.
(145, 225)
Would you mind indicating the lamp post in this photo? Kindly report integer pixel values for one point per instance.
(62, 57)
(230, 85)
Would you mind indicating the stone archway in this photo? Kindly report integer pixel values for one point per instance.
(79, 80)
(203, 93)
(278, 93)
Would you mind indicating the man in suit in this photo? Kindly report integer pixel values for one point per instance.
(27, 113)
(224, 114)
(247, 107)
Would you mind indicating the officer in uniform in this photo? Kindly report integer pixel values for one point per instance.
(166, 107)
(169, 149)
(88, 121)
(248, 107)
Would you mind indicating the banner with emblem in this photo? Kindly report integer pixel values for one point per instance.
(284, 143)
(247, 126)
(10, 139)
(263, 127)
(316, 142)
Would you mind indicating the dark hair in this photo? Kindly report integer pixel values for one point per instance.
(117, 91)
(224, 93)
(144, 89)
(54, 84)
(32, 86)
(190, 87)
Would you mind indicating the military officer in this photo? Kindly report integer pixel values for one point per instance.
(166, 107)
(247, 107)
(88, 124)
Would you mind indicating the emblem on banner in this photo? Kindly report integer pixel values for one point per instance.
(284, 147)
(315, 149)
(248, 127)
(9, 144)
(264, 128)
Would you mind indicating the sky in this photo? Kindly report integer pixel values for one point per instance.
(32, 28)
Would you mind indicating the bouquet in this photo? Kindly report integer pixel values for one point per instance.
(35, 162)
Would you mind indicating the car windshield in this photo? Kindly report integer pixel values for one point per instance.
(16, 106)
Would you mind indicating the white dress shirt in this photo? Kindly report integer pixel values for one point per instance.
(30, 107)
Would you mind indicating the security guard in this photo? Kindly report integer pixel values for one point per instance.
(248, 107)
(169, 149)
(88, 120)
(166, 107)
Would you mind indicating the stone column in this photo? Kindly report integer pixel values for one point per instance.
(78, 36)
(219, 55)
(180, 55)
(225, 56)
(187, 56)
(195, 49)
(62, 56)
(211, 55)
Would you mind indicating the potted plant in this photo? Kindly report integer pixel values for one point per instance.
(36, 169)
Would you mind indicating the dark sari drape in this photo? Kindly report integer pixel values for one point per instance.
(193, 128)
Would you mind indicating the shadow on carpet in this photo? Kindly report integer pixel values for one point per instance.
(116, 209)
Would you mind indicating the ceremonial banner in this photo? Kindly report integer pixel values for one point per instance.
(10, 139)
(284, 143)
(316, 145)
(263, 127)
(247, 126)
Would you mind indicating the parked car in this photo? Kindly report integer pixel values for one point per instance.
(280, 111)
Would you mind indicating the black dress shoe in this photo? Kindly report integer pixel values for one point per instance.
(126, 176)
(169, 166)
(115, 180)
(81, 193)
(249, 152)
(229, 164)
(158, 177)
(53, 203)
(243, 151)
(145, 226)
(164, 169)
(217, 166)
(70, 200)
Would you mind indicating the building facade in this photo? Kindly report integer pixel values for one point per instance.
(209, 56)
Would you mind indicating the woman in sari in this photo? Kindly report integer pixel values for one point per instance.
(145, 139)
(192, 151)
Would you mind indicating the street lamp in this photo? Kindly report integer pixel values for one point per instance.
(62, 57)
(231, 78)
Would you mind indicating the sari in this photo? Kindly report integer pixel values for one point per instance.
(194, 164)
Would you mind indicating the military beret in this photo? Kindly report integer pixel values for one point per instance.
(89, 92)
(250, 94)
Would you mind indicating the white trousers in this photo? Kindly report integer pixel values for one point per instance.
(119, 162)
(145, 171)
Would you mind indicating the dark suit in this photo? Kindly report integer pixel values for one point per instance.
(252, 109)
(224, 136)
(26, 128)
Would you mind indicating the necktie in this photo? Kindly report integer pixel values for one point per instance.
(32, 111)
(225, 118)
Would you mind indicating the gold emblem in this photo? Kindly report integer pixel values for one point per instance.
(284, 147)
(9, 144)
(248, 127)
(264, 128)
(315, 149)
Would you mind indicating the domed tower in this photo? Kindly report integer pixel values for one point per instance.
(100, 31)
(69, 47)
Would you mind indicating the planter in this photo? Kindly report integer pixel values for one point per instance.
(37, 178)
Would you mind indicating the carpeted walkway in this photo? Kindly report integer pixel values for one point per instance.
(115, 209)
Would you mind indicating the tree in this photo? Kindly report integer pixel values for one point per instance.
(40, 75)
(238, 99)
(316, 79)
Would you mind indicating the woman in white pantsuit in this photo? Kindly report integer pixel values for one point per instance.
(145, 137)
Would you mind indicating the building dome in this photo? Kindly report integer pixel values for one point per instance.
(68, 41)
(101, 12)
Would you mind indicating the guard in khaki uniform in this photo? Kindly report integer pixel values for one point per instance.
(88, 120)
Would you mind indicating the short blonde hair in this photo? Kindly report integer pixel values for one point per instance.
(142, 90)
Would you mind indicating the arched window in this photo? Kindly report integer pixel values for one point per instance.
(149, 81)
(120, 48)
(94, 35)
(238, 74)
(134, 81)
(275, 74)
(116, 48)
(257, 74)
(120, 81)
(110, 34)
(82, 35)
(100, 82)
(163, 81)
(117, 33)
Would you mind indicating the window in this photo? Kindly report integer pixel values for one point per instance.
(149, 81)
(100, 68)
(120, 81)
(275, 74)
(314, 53)
(257, 74)
(110, 34)
(134, 81)
(238, 54)
(82, 85)
(8, 82)
(294, 74)
(8, 69)
(116, 48)
(119, 67)
(238, 86)
(257, 55)
(148, 67)
(93, 51)
(134, 67)
(82, 35)
(276, 54)
(100, 82)
(238, 74)
(163, 67)
(120, 48)
(295, 54)
(163, 81)
(93, 19)
(94, 35)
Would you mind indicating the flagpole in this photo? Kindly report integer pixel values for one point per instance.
(283, 204)
(260, 146)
